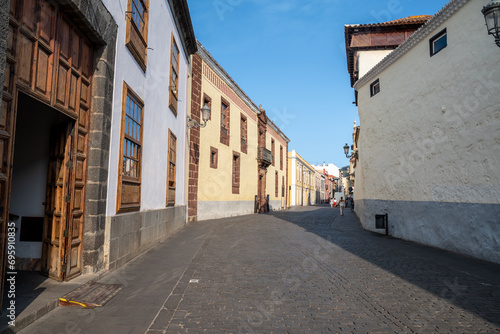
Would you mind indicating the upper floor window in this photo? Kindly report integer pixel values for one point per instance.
(243, 130)
(272, 151)
(174, 76)
(281, 157)
(438, 42)
(375, 87)
(224, 122)
(138, 14)
(137, 30)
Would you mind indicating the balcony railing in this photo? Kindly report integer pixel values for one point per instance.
(264, 156)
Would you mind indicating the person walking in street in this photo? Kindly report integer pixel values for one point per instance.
(341, 205)
(331, 202)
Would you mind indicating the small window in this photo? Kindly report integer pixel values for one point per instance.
(375, 87)
(236, 173)
(213, 157)
(438, 42)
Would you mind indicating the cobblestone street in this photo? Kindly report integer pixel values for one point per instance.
(305, 270)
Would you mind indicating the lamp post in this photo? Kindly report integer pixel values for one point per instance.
(205, 116)
(346, 151)
(491, 14)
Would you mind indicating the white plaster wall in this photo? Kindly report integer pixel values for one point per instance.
(368, 59)
(29, 177)
(330, 168)
(431, 139)
(222, 209)
(152, 87)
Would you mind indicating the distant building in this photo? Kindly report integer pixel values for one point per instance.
(302, 180)
(329, 185)
(331, 169)
(354, 156)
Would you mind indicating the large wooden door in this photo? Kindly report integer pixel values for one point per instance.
(63, 229)
(49, 59)
(57, 202)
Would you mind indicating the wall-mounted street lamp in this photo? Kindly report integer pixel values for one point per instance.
(346, 151)
(491, 14)
(205, 116)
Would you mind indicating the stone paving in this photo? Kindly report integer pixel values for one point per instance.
(306, 270)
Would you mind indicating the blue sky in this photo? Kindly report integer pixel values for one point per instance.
(290, 57)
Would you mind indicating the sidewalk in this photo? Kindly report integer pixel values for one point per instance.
(148, 280)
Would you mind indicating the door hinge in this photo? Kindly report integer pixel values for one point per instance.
(67, 198)
(66, 233)
(69, 164)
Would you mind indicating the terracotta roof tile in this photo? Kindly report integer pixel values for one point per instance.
(417, 19)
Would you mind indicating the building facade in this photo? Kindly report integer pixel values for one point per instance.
(57, 81)
(236, 162)
(353, 160)
(429, 149)
(302, 181)
(146, 193)
(368, 44)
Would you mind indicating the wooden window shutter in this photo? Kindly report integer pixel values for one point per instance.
(129, 176)
(172, 160)
(173, 85)
(136, 38)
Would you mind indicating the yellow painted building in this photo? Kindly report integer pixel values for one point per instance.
(302, 181)
(276, 181)
(226, 178)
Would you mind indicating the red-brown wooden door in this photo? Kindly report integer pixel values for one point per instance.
(58, 202)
